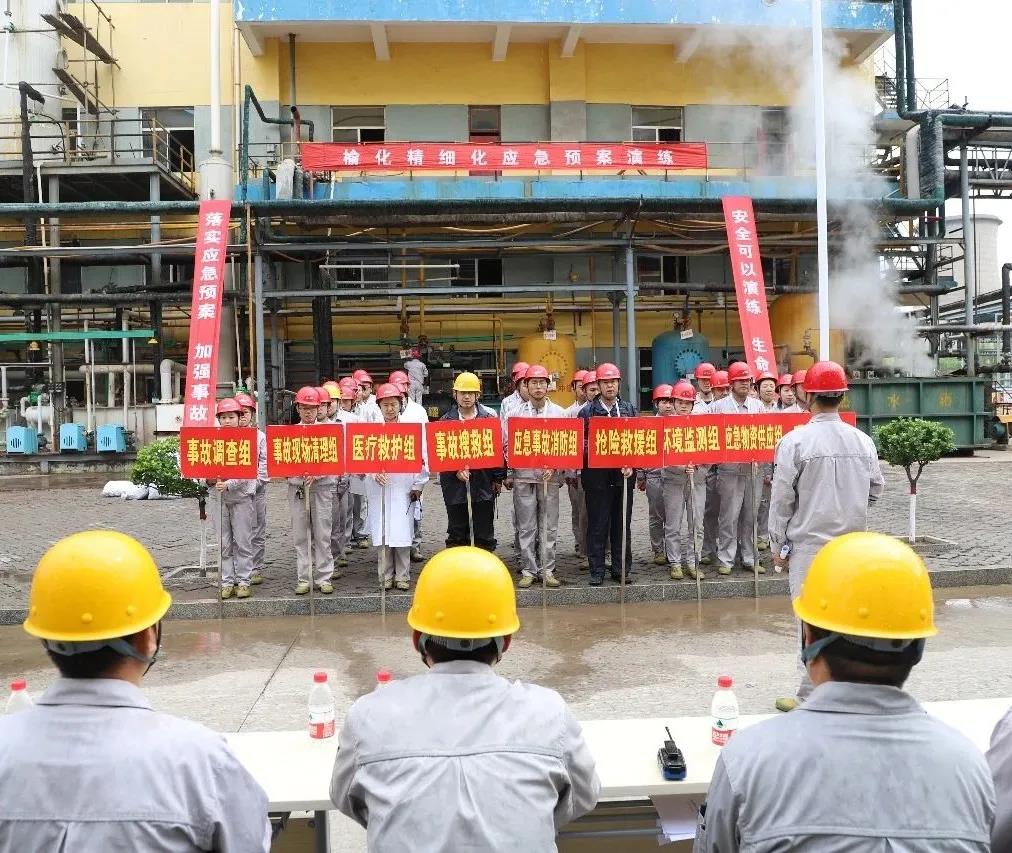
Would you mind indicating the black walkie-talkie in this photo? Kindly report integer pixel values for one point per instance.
(671, 759)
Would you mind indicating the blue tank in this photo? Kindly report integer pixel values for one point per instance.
(674, 358)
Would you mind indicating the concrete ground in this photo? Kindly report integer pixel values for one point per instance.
(609, 662)
(962, 507)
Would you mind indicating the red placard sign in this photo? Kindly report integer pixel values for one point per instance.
(305, 451)
(693, 438)
(205, 313)
(625, 442)
(382, 448)
(555, 443)
(456, 445)
(213, 453)
(444, 156)
(739, 219)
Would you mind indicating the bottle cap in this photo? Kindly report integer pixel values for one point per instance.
(320, 677)
(384, 676)
(724, 681)
(20, 684)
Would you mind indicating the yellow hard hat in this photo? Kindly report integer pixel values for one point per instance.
(868, 585)
(467, 382)
(464, 593)
(96, 585)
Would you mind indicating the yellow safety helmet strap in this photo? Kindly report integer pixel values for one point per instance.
(811, 651)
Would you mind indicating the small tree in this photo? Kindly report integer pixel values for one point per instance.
(158, 465)
(912, 443)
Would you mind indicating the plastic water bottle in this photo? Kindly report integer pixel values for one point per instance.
(723, 711)
(321, 708)
(20, 698)
(383, 678)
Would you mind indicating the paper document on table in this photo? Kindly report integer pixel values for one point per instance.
(679, 814)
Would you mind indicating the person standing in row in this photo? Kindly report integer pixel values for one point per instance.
(689, 484)
(735, 483)
(825, 477)
(356, 525)
(311, 519)
(392, 499)
(577, 500)
(703, 375)
(484, 484)
(590, 386)
(231, 505)
(507, 409)
(766, 387)
(418, 375)
(536, 491)
(604, 487)
(339, 532)
(711, 514)
(259, 544)
(414, 413)
(654, 482)
(785, 392)
(800, 397)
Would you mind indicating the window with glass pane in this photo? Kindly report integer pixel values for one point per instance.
(657, 124)
(357, 124)
(168, 136)
(662, 269)
(483, 121)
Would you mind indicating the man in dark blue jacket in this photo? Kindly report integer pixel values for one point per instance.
(485, 484)
(603, 486)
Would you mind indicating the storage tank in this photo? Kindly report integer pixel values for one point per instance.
(791, 316)
(558, 357)
(674, 357)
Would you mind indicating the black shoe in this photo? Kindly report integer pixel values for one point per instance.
(618, 579)
(595, 581)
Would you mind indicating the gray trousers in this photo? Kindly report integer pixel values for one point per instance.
(764, 502)
(734, 529)
(416, 526)
(800, 560)
(339, 528)
(533, 510)
(355, 518)
(577, 500)
(398, 566)
(235, 523)
(259, 527)
(711, 513)
(416, 392)
(320, 516)
(656, 507)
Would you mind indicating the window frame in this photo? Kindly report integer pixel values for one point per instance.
(358, 128)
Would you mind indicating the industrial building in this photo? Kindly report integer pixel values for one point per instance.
(351, 266)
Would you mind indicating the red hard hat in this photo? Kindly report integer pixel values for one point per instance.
(762, 377)
(348, 393)
(415, 352)
(246, 401)
(536, 371)
(608, 371)
(684, 391)
(786, 379)
(720, 379)
(705, 370)
(799, 377)
(739, 370)
(519, 369)
(361, 377)
(825, 377)
(662, 392)
(402, 386)
(386, 391)
(307, 396)
(398, 376)
(579, 376)
(323, 394)
(228, 405)
(347, 381)
(589, 376)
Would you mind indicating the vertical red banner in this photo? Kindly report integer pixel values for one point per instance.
(746, 265)
(205, 312)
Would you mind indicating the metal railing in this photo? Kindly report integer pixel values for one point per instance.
(101, 141)
(932, 92)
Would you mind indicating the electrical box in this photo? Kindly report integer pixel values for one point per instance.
(111, 438)
(22, 441)
(168, 417)
(73, 437)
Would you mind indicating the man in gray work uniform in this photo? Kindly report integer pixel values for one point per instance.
(999, 757)
(825, 476)
(91, 766)
(461, 759)
(860, 766)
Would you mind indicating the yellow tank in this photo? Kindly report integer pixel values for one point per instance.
(793, 314)
(558, 357)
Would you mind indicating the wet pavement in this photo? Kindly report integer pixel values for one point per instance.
(609, 662)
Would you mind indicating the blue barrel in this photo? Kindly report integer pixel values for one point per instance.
(674, 357)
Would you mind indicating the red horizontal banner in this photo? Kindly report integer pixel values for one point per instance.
(212, 453)
(533, 156)
(384, 448)
(625, 442)
(555, 443)
(456, 445)
(305, 451)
